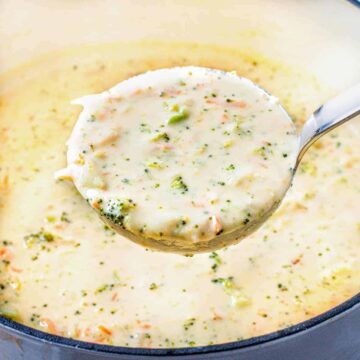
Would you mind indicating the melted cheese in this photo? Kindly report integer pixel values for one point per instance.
(63, 272)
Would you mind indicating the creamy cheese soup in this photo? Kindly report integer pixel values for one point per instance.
(64, 272)
(182, 155)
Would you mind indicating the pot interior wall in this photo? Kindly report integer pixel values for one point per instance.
(319, 35)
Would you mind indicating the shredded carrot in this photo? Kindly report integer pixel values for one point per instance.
(217, 317)
(87, 332)
(240, 104)
(96, 204)
(105, 330)
(101, 116)
(114, 135)
(114, 296)
(143, 325)
(213, 101)
(296, 260)
(4, 183)
(15, 269)
(137, 92)
(173, 91)
(100, 340)
(49, 325)
(6, 254)
(77, 332)
(225, 117)
(165, 147)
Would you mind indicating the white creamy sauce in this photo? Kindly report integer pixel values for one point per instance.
(182, 155)
(62, 271)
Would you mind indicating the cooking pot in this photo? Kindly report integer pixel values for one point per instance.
(322, 37)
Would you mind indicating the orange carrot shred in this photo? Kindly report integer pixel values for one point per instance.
(105, 330)
(15, 269)
(49, 325)
(6, 254)
(87, 332)
(217, 317)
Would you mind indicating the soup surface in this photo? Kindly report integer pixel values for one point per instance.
(64, 272)
(179, 156)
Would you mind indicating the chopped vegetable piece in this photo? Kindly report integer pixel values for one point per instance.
(182, 115)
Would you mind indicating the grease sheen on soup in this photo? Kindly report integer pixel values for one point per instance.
(64, 272)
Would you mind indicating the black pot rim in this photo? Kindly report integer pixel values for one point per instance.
(38, 335)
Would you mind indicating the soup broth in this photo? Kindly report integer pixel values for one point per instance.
(63, 271)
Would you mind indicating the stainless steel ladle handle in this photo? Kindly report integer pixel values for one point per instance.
(329, 116)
